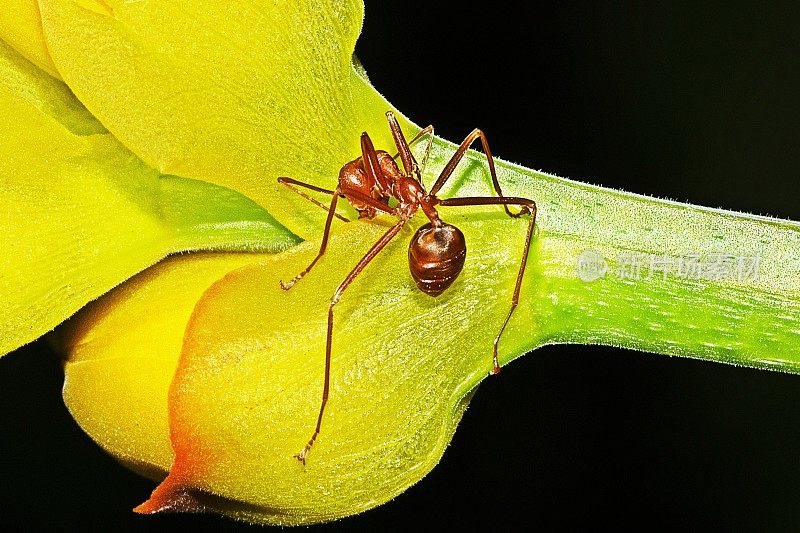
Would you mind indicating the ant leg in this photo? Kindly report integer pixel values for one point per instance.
(323, 245)
(331, 212)
(447, 171)
(290, 184)
(337, 295)
(427, 130)
(528, 207)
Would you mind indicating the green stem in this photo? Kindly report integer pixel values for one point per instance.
(610, 267)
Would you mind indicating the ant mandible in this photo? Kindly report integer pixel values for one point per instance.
(437, 250)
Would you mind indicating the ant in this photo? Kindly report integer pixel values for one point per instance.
(437, 250)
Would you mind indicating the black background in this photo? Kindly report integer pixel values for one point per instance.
(693, 102)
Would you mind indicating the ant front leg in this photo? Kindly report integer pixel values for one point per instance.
(527, 207)
(331, 212)
(363, 198)
(448, 169)
(369, 256)
(427, 130)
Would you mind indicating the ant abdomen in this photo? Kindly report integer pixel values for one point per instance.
(436, 256)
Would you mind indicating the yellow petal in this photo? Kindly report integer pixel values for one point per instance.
(247, 392)
(236, 93)
(122, 351)
(21, 27)
(79, 213)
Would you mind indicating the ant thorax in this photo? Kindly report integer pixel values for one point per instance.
(353, 176)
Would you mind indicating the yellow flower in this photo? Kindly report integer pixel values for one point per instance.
(235, 95)
(80, 213)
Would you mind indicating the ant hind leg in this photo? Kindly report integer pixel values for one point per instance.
(527, 207)
(448, 169)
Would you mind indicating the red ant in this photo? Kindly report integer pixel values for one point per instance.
(437, 250)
